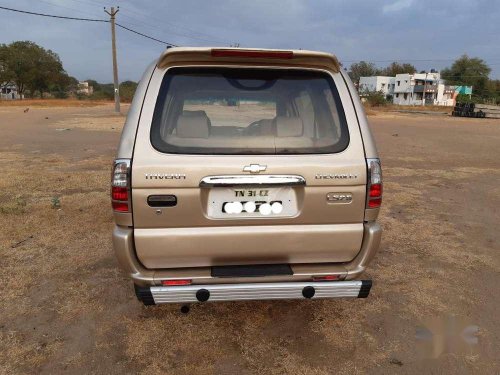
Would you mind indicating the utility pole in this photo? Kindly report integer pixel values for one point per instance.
(112, 14)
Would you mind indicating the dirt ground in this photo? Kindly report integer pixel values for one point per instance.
(67, 308)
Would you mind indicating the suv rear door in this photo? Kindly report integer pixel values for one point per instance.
(210, 137)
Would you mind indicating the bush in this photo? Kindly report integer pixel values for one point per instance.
(127, 90)
(374, 98)
(102, 95)
(463, 98)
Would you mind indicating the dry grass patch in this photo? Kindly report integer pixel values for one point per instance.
(75, 311)
(16, 357)
(410, 108)
(92, 123)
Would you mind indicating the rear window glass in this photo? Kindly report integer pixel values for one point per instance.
(248, 111)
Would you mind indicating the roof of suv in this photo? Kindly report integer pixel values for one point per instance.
(179, 56)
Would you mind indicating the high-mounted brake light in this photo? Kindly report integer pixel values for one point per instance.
(120, 185)
(252, 54)
(176, 282)
(374, 185)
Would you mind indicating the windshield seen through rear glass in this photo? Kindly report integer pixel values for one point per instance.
(248, 111)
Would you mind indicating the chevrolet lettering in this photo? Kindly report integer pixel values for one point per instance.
(329, 176)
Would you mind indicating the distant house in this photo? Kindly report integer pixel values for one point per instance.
(377, 83)
(84, 88)
(9, 91)
(413, 89)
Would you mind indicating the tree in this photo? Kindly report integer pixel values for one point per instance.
(5, 74)
(362, 69)
(397, 68)
(127, 90)
(469, 71)
(31, 67)
(367, 69)
(64, 84)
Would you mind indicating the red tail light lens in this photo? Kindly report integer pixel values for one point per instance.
(374, 186)
(119, 193)
(120, 185)
(375, 203)
(120, 206)
(375, 190)
(252, 53)
(326, 278)
(176, 282)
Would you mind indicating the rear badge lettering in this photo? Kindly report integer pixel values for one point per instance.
(165, 176)
(343, 198)
(330, 176)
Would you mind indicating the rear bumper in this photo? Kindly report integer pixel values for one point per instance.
(123, 244)
(253, 291)
(160, 248)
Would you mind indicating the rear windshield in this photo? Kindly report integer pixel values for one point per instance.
(248, 111)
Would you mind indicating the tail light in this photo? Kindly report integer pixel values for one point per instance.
(252, 53)
(374, 185)
(120, 186)
(176, 282)
(326, 278)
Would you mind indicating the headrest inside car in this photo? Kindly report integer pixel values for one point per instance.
(289, 126)
(193, 124)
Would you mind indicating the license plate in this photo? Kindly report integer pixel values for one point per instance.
(260, 202)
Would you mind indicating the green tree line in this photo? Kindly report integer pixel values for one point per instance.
(37, 71)
(106, 91)
(34, 69)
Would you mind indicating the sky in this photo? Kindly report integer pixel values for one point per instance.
(428, 33)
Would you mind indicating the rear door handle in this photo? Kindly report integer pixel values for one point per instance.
(162, 200)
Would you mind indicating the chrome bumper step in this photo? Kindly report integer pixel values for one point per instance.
(253, 291)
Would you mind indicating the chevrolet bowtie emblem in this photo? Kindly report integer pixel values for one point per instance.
(254, 168)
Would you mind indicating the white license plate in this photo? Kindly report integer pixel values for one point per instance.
(259, 202)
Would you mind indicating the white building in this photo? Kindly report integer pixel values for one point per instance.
(84, 88)
(8, 90)
(377, 83)
(408, 89)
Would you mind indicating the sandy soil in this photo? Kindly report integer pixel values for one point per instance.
(67, 308)
(52, 103)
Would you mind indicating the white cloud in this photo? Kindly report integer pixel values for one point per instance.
(397, 6)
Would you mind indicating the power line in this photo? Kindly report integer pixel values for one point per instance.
(153, 26)
(54, 16)
(174, 45)
(88, 20)
(85, 13)
(146, 36)
(148, 18)
(163, 22)
(195, 37)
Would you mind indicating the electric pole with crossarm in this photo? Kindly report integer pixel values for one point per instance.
(112, 14)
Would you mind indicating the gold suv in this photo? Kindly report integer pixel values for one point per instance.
(246, 174)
